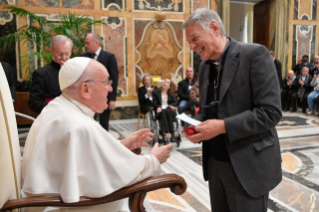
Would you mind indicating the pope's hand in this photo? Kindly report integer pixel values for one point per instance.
(162, 153)
(207, 130)
(136, 139)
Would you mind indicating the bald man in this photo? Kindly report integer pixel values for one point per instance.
(72, 155)
(94, 51)
(289, 88)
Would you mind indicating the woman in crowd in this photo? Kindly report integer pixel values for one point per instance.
(165, 104)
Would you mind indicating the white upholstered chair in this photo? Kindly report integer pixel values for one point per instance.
(10, 170)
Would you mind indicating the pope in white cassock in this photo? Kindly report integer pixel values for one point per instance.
(68, 153)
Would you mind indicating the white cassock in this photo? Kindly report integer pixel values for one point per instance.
(68, 153)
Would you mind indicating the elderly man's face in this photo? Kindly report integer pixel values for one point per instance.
(100, 87)
(61, 52)
(304, 72)
(290, 74)
(316, 59)
(203, 42)
(91, 45)
(147, 82)
(189, 73)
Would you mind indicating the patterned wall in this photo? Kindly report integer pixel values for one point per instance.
(304, 29)
(140, 43)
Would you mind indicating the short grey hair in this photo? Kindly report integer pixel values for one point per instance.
(147, 75)
(96, 37)
(305, 67)
(272, 53)
(204, 17)
(60, 39)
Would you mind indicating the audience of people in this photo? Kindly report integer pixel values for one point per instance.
(288, 89)
(165, 104)
(183, 90)
(145, 94)
(302, 83)
(312, 108)
(45, 82)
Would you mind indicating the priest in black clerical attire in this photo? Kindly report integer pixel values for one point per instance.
(45, 81)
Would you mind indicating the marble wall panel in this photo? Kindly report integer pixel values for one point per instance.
(200, 4)
(159, 5)
(76, 4)
(114, 35)
(114, 5)
(304, 37)
(305, 10)
(10, 2)
(158, 51)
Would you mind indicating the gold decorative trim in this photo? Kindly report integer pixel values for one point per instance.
(10, 143)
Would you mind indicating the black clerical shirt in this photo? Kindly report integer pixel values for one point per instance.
(45, 86)
(217, 144)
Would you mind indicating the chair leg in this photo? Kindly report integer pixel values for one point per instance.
(144, 121)
(138, 122)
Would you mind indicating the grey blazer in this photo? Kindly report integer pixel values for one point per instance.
(249, 102)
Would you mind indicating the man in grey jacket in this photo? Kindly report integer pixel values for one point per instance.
(240, 107)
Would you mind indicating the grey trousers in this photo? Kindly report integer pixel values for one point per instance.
(226, 192)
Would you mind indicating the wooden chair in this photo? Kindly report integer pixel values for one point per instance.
(10, 171)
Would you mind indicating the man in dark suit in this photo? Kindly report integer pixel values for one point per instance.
(240, 107)
(94, 51)
(145, 96)
(10, 78)
(304, 62)
(45, 80)
(303, 88)
(278, 66)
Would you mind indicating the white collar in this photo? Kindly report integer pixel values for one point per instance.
(97, 53)
(86, 110)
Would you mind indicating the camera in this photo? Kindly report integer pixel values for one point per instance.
(317, 62)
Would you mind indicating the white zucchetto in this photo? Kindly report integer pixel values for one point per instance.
(72, 70)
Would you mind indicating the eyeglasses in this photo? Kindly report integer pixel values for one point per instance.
(106, 84)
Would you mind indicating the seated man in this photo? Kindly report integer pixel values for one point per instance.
(315, 65)
(303, 63)
(68, 153)
(313, 108)
(302, 83)
(289, 88)
(45, 83)
(145, 97)
(183, 90)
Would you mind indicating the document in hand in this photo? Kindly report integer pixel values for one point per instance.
(188, 119)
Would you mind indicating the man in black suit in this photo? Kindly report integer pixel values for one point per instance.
(288, 89)
(240, 107)
(278, 66)
(303, 88)
(94, 51)
(45, 81)
(10, 78)
(145, 94)
(303, 63)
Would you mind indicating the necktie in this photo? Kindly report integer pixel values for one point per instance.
(93, 55)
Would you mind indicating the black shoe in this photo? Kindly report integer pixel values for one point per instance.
(173, 138)
(178, 142)
(165, 140)
(292, 110)
(285, 109)
(304, 111)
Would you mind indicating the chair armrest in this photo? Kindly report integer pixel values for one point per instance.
(136, 194)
